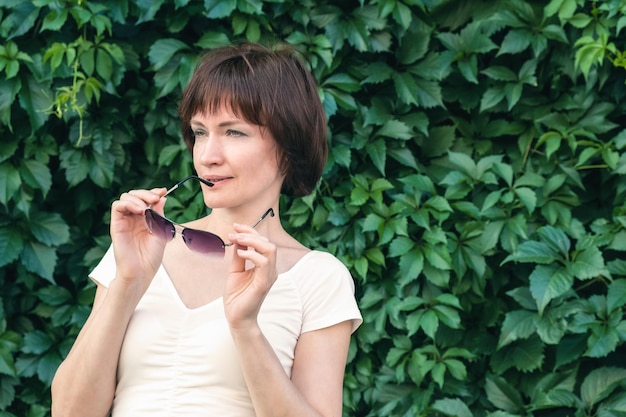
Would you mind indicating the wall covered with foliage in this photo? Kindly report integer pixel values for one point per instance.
(475, 187)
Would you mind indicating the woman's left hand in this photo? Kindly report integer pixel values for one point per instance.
(246, 288)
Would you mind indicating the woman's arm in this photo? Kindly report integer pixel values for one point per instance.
(84, 384)
(316, 384)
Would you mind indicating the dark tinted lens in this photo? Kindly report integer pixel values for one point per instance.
(203, 242)
(159, 226)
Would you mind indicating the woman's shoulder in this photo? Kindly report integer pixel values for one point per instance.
(317, 263)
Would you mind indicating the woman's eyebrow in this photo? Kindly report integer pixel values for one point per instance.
(224, 123)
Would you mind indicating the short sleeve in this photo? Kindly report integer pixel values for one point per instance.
(104, 272)
(327, 292)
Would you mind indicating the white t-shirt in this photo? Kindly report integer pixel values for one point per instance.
(177, 361)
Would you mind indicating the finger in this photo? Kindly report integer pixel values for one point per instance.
(238, 263)
(256, 242)
(257, 259)
(126, 205)
(150, 197)
(136, 201)
(244, 228)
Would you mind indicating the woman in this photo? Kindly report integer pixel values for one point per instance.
(239, 321)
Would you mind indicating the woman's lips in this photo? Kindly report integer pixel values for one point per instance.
(216, 180)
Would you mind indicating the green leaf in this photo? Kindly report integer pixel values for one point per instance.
(406, 87)
(415, 44)
(448, 316)
(464, 163)
(377, 152)
(7, 367)
(437, 374)
(23, 17)
(162, 51)
(102, 169)
(8, 92)
(54, 20)
(359, 196)
(548, 282)
(551, 328)
(533, 252)
(428, 93)
(429, 322)
(456, 368)
(514, 42)
(376, 256)
(402, 14)
(35, 99)
(344, 100)
(400, 246)
(37, 175)
(492, 97)
(217, 9)
(11, 244)
(40, 260)
(602, 341)
(75, 163)
(491, 200)
(49, 228)
(104, 64)
(588, 263)
(403, 156)
(168, 154)
(437, 256)
(8, 148)
(556, 239)
(411, 265)
(47, 366)
(528, 198)
(616, 295)
(10, 182)
(212, 39)
(525, 355)
(361, 266)
(395, 355)
(518, 324)
(239, 23)
(452, 407)
(503, 395)
(343, 81)
(500, 73)
(395, 129)
(439, 141)
(36, 342)
(342, 155)
(599, 384)
(54, 295)
(377, 73)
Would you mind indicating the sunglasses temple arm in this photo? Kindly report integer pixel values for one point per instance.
(191, 177)
(170, 190)
(269, 211)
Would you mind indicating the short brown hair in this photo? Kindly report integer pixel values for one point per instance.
(271, 88)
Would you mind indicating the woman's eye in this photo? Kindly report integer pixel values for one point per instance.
(231, 132)
(198, 133)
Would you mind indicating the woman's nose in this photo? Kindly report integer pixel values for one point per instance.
(208, 151)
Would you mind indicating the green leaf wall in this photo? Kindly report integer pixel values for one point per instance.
(475, 185)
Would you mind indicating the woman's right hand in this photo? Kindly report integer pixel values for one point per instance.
(138, 254)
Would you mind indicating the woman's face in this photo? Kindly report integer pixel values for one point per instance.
(238, 157)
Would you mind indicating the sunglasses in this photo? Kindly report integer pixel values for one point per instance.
(198, 241)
